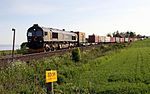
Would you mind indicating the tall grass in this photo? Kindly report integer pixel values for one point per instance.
(102, 70)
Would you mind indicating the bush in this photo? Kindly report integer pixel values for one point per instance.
(24, 44)
(61, 79)
(23, 49)
(76, 55)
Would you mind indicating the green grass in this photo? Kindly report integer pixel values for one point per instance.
(4, 53)
(124, 72)
(104, 70)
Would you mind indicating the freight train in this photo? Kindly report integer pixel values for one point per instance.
(40, 39)
(49, 39)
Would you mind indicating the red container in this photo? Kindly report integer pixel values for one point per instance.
(93, 39)
(122, 40)
(112, 39)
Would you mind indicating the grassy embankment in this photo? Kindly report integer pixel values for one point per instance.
(4, 53)
(102, 70)
(20, 51)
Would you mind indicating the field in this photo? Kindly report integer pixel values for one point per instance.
(124, 72)
(4, 53)
(104, 70)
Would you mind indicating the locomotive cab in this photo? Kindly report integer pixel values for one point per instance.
(35, 37)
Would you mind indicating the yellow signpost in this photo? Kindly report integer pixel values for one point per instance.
(51, 76)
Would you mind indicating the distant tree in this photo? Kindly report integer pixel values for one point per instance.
(116, 34)
(124, 34)
(127, 34)
(109, 35)
(132, 34)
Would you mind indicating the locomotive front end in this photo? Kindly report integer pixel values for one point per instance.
(35, 37)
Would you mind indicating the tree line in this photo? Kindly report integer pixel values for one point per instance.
(125, 34)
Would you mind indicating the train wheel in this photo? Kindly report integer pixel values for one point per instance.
(46, 48)
(52, 48)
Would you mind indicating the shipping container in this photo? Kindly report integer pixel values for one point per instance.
(81, 37)
(112, 39)
(107, 39)
(93, 39)
(121, 40)
(126, 39)
(117, 39)
(99, 40)
(102, 39)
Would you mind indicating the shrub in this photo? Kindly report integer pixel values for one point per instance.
(76, 55)
(61, 79)
(24, 44)
(23, 49)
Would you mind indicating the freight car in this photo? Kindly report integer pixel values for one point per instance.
(49, 39)
(122, 40)
(93, 39)
(41, 39)
(112, 39)
(96, 39)
(80, 38)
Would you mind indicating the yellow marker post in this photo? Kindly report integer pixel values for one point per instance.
(51, 76)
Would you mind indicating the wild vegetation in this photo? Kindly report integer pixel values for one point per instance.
(6, 53)
(22, 50)
(102, 70)
(76, 56)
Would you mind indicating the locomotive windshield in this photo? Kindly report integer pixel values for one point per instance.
(38, 33)
(29, 34)
(35, 33)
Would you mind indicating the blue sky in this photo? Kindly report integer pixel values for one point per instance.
(90, 16)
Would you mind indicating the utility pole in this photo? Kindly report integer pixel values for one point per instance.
(13, 44)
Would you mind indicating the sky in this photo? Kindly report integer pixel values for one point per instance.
(90, 16)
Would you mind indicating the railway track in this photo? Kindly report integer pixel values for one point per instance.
(36, 56)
